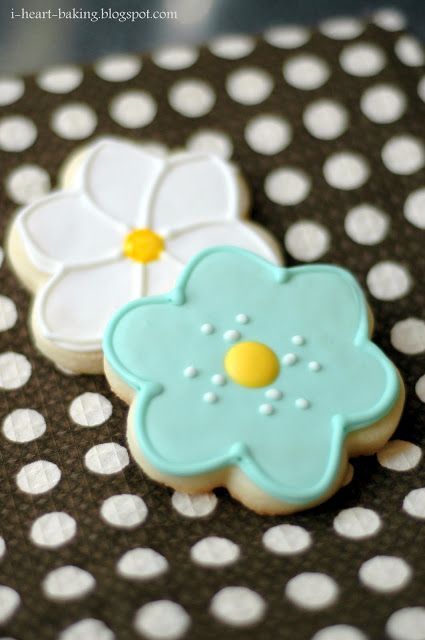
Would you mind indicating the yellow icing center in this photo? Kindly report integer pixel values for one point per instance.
(251, 364)
(143, 245)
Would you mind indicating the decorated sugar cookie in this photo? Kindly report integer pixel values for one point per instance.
(254, 377)
(123, 224)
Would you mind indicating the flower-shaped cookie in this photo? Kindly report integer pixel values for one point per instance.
(259, 378)
(126, 226)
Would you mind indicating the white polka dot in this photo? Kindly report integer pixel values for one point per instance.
(38, 477)
(8, 313)
(409, 51)
(210, 397)
(238, 606)
(389, 19)
(15, 370)
(17, 133)
(231, 335)
(218, 379)
(141, 564)
(325, 119)
(414, 208)
(190, 372)
(87, 629)
(399, 455)
(287, 37)
(306, 71)
(214, 552)
(346, 170)
(133, 109)
(176, 57)
(407, 624)
(60, 79)
(287, 186)
(266, 409)
(9, 603)
(207, 329)
(420, 388)
(208, 141)
(286, 539)
(162, 620)
(357, 523)
(362, 59)
(312, 591)
(274, 394)
(341, 28)
(403, 154)
(90, 409)
(118, 67)
(421, 88)
(26, 183)
(196, 506)
(249, 85)
(268, 134)
(52, 530)
(314, 366)
(339, 632)
(385, 574)
(307, 241)
(106, 458)
(68, 583)
(366, 224)
(408, 336)
(383, 103)
(74, 121)
(289, 359)
(414, 503)
(388, 281)
(125, 511)
(191, 98)
(2, 548)
(232, 47)
(11, 89)
(24, 425)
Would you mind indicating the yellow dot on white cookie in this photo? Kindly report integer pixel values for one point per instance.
(251, 364)
(143, 245)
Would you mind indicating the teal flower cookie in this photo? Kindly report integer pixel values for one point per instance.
(255, 377)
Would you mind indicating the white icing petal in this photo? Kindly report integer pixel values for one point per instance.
(119, 177)
(161, 275)
(75, 305)
(66, 229)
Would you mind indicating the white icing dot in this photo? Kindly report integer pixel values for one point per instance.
(208, 141)
(414, 503)
(388, 281)
(242, 318)
(268, 134)
(8, 313)
(339, 632)
(286, 539)
(421, 88)
(190, 372)
(218, 379)
(289, 359)
(274, 394)
(124, 511)
(307, 241)
(162, 620)
(207, 329)
(408, 336)
(11, 89)
(298, 340)
(287, 185)
(87, 629)
(302, 403)
(17, 133)
(38, 477)
(68, 583)
(362, 59)
(389, 19)
(27, 183)
(250, 85)
(407, 624)
(52, 530)
(141, 564)
(118, 67)
(403, 154)
(266, 409)
(232, 47)
(238, 606)
(287, 37)
(312, 591)
(15, 370)
(399, 455)
(306, 71)
(191, 98)
(420, 388)
(409, 51)
(175, 57)
(133, 109)
(210, 398)
(196, 506)
(341, 28)
(314, 366)
(366, 224)
(346, 170)
(106, 458)
(214, 552)
(325, 119)
(357, 523)
(383, 103)
(414, 208)
(231, 335)
(90, 409)
(385, 574)
(60, 79)
(9, 603)
(74, 121)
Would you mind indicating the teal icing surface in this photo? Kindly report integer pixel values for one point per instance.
(292, 453)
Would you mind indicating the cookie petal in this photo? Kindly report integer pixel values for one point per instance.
(161, 275)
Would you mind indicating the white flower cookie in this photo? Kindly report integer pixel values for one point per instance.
(121, 226)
